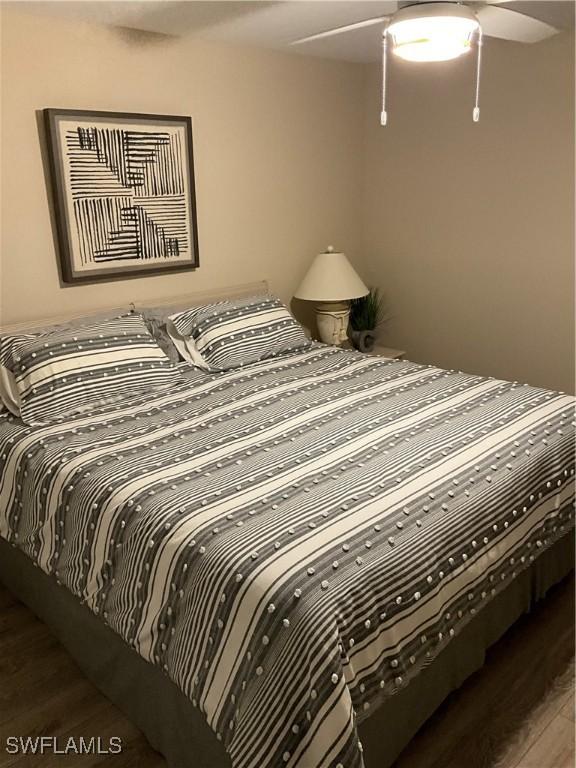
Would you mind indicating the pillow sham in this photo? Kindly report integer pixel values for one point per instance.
(9, 398)
(159, 333)
(232, 333)
(186, 347)
(72, 372)
(157, 321)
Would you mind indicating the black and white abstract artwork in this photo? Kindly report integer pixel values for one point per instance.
(124, 196)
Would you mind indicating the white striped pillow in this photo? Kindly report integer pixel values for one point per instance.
(238, 332)
(71, 372)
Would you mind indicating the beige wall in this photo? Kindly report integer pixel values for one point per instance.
(469, 227)
(277, 142)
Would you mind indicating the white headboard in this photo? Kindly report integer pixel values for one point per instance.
(193, 299)
(206, 297)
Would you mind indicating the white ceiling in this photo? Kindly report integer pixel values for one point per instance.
(268, 23)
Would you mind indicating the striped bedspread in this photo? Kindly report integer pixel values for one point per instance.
(293, 541)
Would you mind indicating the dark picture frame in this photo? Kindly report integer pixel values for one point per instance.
(124, 195)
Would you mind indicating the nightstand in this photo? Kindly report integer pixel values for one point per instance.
(380, 351)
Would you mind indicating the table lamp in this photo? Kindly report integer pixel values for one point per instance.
(331, 282)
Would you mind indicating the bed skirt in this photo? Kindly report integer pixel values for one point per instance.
(177, 730)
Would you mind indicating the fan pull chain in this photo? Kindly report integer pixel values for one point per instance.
(383, 114)
(476, 112)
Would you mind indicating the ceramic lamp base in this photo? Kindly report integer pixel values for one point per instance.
(332, 322)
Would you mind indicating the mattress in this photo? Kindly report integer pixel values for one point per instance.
(294, 541)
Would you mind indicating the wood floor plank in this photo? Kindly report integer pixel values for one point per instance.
(101, 720)
(482, 724)
(569, 708)
(26, 635)
(93, 716)
(554, 748)
(14, 618)
(27, 679)
(61, 710)
(537, 721)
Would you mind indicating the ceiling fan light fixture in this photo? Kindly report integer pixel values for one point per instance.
(432, 32)
(439, 30)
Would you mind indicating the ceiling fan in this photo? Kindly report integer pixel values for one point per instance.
(430, 31)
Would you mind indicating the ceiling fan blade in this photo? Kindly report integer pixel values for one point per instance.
(341, 30)
(511, 25)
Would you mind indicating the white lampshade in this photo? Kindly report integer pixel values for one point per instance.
(331, 278)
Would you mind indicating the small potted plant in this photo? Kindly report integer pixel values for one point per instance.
(366, 315)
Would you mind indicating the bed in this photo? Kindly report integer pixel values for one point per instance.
(293, 562)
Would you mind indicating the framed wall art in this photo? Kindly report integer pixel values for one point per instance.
(123, 188)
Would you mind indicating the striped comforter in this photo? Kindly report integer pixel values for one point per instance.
(293, 541)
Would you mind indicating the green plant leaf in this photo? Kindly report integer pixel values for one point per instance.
(368, 312)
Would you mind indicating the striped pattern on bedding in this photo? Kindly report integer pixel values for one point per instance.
(294, 541)
(229, 334)
(9, 398)
(69, 372)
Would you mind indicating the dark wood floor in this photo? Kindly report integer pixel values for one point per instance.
(517, 712)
